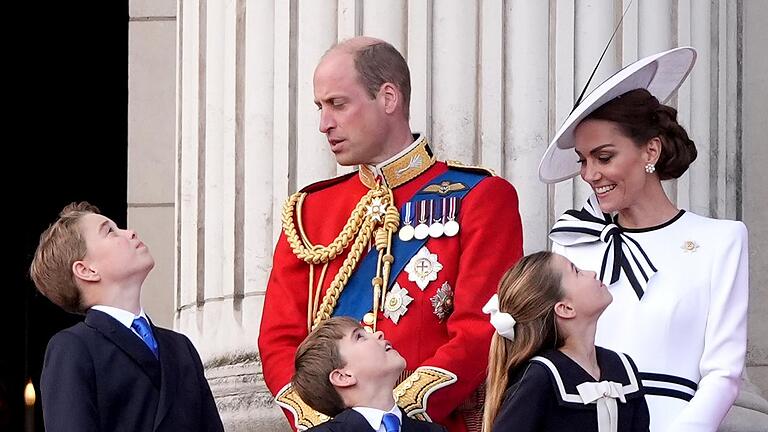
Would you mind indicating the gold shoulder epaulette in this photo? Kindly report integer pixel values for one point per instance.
(304, 416)
(322, 184)
(475, 168)
(412, 394)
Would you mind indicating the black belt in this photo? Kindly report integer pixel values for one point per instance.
(668, 385)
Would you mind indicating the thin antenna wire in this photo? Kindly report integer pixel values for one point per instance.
(584, 90)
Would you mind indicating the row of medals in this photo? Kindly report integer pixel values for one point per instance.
(444, 224)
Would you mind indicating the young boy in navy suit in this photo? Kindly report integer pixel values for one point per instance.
(115, 371)
(348, 373)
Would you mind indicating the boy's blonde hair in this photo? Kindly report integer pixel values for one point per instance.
(60, 246)
(316, 358)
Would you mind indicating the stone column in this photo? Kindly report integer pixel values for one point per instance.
(151, 119)
(595, 21)
(226, 151)
(526, 95)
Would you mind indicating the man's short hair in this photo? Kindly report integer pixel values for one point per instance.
(380, 63)
(60, 246)
(316, 358)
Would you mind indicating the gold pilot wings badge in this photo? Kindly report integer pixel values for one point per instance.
(444, 188)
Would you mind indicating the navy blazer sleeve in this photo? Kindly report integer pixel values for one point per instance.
(526, 402)
(68, 385)
(210, 414)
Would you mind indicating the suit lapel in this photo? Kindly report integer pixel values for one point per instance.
(127, 341)
(352, 420)
(169, 365)
(410, 425)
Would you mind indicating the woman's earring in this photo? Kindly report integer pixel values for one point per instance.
(650, 168)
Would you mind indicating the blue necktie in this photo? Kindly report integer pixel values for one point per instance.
(141, 326)
(391, 422)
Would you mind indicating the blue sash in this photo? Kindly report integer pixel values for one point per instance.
(357, 297)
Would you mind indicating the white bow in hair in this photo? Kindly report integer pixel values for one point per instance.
(604, 394)
(501, 321)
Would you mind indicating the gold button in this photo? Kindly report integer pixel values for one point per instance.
(368, 329)
(368, 318)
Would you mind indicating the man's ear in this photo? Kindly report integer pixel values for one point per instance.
(390, 96)
(342, 378)
(84, 272)
(564, 310)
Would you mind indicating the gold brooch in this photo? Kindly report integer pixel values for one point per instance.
(689, 246)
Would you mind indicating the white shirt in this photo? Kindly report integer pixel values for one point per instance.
(124, 317)
(374, 416)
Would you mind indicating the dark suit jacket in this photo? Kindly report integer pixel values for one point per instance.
(99, 376)
(352, 421)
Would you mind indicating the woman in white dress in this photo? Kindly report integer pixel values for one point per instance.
(679, 280)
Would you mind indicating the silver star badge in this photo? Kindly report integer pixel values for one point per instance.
(396, 303)
(423, 268)
(377, 209)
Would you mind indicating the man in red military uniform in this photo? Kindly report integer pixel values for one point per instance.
(408, 245)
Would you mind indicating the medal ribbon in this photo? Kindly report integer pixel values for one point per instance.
(357, 298)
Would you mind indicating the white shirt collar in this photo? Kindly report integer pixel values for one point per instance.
(376, 169)
(374, 416)
(125, 317)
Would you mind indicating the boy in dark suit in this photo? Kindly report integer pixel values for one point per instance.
(115, 371)
(347, 373)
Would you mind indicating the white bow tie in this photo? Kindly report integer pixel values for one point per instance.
(604, 394)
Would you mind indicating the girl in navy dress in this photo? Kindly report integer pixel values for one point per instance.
(545, 372)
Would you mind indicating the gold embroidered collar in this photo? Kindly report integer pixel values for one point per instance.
(401, 168)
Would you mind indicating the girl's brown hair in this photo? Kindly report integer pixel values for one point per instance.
(528, 291)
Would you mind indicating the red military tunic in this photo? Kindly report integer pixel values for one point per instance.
(473, 261)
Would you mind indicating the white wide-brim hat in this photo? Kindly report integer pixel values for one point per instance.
(661, 74)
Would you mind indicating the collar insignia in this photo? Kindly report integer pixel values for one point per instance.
(402, 169)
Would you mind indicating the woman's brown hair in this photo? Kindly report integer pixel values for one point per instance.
(528, 291)
(641, 117)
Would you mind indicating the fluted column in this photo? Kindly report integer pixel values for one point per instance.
(526, 135)
(594, 23)
(659, 15)
(316, 32)
(454, 74)
(701, 83)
